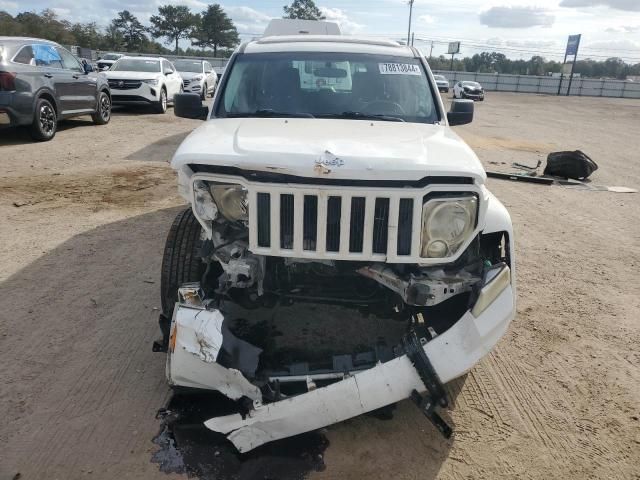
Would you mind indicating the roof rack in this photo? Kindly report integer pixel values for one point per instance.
(327, 38)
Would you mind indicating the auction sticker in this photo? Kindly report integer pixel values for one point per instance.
(399, 69)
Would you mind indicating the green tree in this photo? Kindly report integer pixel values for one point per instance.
(133, 32)
(303, 10)
(215, 30)
(173, 23)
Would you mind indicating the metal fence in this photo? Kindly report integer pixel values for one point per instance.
(587, 87)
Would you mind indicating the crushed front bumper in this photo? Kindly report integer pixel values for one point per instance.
(197, 335)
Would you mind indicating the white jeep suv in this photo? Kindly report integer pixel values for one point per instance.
(341, 251)
(144, 80)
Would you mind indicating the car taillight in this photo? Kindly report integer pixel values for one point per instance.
(7, 81)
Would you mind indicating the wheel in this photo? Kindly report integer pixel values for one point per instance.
(102, 115)
(45, 121)
(161, 105)
(203, 93)
(181, 261)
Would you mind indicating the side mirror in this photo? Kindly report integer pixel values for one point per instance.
(461, 112)
(189, 105)
(207, 72)
(87, 68)
(168, 72)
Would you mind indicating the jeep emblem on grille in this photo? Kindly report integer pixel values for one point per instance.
(327, 160)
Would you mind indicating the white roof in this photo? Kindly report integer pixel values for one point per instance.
(135, 57)
(286, 26)
(327, 43)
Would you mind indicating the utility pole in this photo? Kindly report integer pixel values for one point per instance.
(410, 13)
(431, 51)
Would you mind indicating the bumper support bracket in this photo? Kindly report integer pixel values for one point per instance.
(436, 394)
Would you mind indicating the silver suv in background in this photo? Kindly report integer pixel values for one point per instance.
(42, 83)
(197, 76)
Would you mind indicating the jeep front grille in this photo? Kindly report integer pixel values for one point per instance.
(332, 225)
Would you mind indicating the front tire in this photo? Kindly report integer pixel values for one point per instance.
(203, 94)
(45, 121)
(181, 261)
(161, 104)
(102, 115)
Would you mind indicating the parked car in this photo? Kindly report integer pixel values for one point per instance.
(467, 89)
(107, 60)
(197, 76)
(42, 83)
(442, 83)
(150, 80)
(341, 251)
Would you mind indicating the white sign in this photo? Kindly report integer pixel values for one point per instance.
(399, 69)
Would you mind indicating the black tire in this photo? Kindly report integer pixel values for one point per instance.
(45, 121)
(181, 261)
(203, 95)
(161, 104)
(102, 115)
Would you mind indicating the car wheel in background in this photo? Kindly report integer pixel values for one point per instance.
(161, 105)
(102, 114)
(45, 121)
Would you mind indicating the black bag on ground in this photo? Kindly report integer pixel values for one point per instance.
(575, 165)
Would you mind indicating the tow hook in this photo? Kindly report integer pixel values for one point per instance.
(436, 394)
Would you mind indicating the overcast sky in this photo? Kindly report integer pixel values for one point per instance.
(518, 28)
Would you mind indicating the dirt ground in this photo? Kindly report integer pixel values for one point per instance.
(84, 219)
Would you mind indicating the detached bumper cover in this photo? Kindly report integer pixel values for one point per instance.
(197, 335)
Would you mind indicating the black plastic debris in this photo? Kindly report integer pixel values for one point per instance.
(577, 165)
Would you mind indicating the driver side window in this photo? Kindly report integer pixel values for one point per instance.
(69, 61)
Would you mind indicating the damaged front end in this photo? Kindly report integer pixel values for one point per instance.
(309, 323)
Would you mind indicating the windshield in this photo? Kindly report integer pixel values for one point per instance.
(439, 77)
(136, 65)
(471, 84)
(188, 66)
(111, 56)
(328, 85)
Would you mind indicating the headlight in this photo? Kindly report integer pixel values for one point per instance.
(151, 81)
(198, 77)
(446, 224)
(231, 201)
(203, 203)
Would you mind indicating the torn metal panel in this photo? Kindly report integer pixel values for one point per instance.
(426, 290)
(452, 354)
(198, 337)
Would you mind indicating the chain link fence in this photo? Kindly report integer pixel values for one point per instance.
(587, 87)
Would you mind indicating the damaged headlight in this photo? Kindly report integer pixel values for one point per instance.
(203, 203)
(229, 200)
(446, 224)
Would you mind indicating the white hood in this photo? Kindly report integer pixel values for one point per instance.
(367, 150)
(190, 75)
(126, 75)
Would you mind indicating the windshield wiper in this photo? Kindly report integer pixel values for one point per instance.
(364, 116)
(268, 112)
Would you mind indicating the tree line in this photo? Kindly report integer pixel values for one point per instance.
(212, 32)
(494, 62)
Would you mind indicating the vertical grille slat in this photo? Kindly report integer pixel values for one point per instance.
(264, 219)
(356, 231)
(380, 225)
(286, 221)
(310, 228)
(334, 209)
(405, 224)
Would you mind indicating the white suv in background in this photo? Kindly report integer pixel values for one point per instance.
(144, 80)
(197, 76)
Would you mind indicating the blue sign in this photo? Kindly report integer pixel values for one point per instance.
(572, 45)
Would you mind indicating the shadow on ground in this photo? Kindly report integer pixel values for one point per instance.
(159, 151)
(81, 386)
(21, 135)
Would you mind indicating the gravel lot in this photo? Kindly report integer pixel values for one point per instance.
(84, 222)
